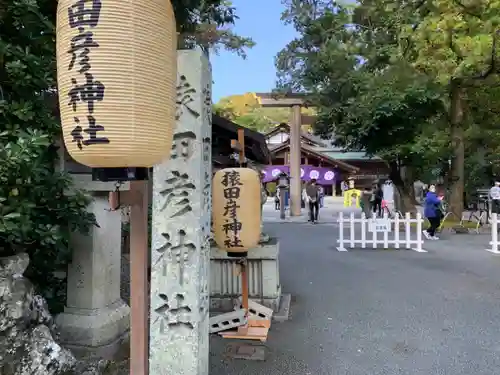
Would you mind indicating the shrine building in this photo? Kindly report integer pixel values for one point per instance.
(328, 164)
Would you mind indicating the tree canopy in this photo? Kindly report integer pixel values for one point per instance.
(207, 23)
(397, 79)
(246, 110)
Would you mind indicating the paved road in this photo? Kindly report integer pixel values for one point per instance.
(369, 312)
(328, 214)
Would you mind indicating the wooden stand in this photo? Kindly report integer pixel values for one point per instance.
(255, 329)
(244, 284)
(137, 199)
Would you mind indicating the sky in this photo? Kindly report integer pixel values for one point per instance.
(260, 20)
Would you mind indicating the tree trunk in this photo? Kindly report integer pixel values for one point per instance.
(457, 180)
(404, 187)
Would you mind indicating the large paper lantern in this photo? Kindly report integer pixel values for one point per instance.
(236, 210)
(117, 78)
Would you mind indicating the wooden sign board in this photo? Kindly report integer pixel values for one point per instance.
(379, 225)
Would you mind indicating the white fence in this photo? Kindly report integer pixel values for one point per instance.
(495, 245)
(391, 236)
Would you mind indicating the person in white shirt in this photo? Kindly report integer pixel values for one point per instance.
(305, 198)
(495, 198)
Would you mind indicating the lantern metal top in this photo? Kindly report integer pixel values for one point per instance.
(283, 180)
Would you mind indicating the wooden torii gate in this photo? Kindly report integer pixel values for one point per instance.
(295, 102)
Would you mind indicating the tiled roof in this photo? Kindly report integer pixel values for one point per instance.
(311, 150)
(322, 146)
(255, 142)
(348, 155)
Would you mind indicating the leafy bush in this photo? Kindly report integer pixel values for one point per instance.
(36, 212)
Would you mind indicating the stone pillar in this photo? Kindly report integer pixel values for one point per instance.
(180, 251)
(95, 320)
(295, 183)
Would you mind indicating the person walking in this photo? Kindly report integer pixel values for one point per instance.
(277, 199)
(432, 211)
(344, 186)
(305, 199)
(303, 203)
(366, 203)
(495, 198)
(321, 193)
(312, 192)
(376, 200)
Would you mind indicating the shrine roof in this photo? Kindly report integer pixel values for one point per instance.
(325, 158)
(223, 130)
(286, 128)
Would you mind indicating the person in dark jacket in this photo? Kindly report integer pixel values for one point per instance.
(312, 192)
(432, 211)
(377, 198)
(366, 202)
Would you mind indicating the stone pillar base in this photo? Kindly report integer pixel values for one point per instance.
(264, 284)
(95, 332)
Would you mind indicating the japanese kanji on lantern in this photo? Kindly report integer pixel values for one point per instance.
(116, 77)
(236, 210)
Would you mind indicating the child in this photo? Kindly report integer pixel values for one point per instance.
(432, 211)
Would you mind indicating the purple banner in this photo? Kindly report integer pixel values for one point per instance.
(324, 176)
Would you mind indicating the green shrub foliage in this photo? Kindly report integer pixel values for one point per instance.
(36, 213)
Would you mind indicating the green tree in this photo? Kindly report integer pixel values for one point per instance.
(246, 110)
(482, 134)
(387, 82)
(365, 101)
(397, 117)
(455, 44)
(205, 23)
(237, 105)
